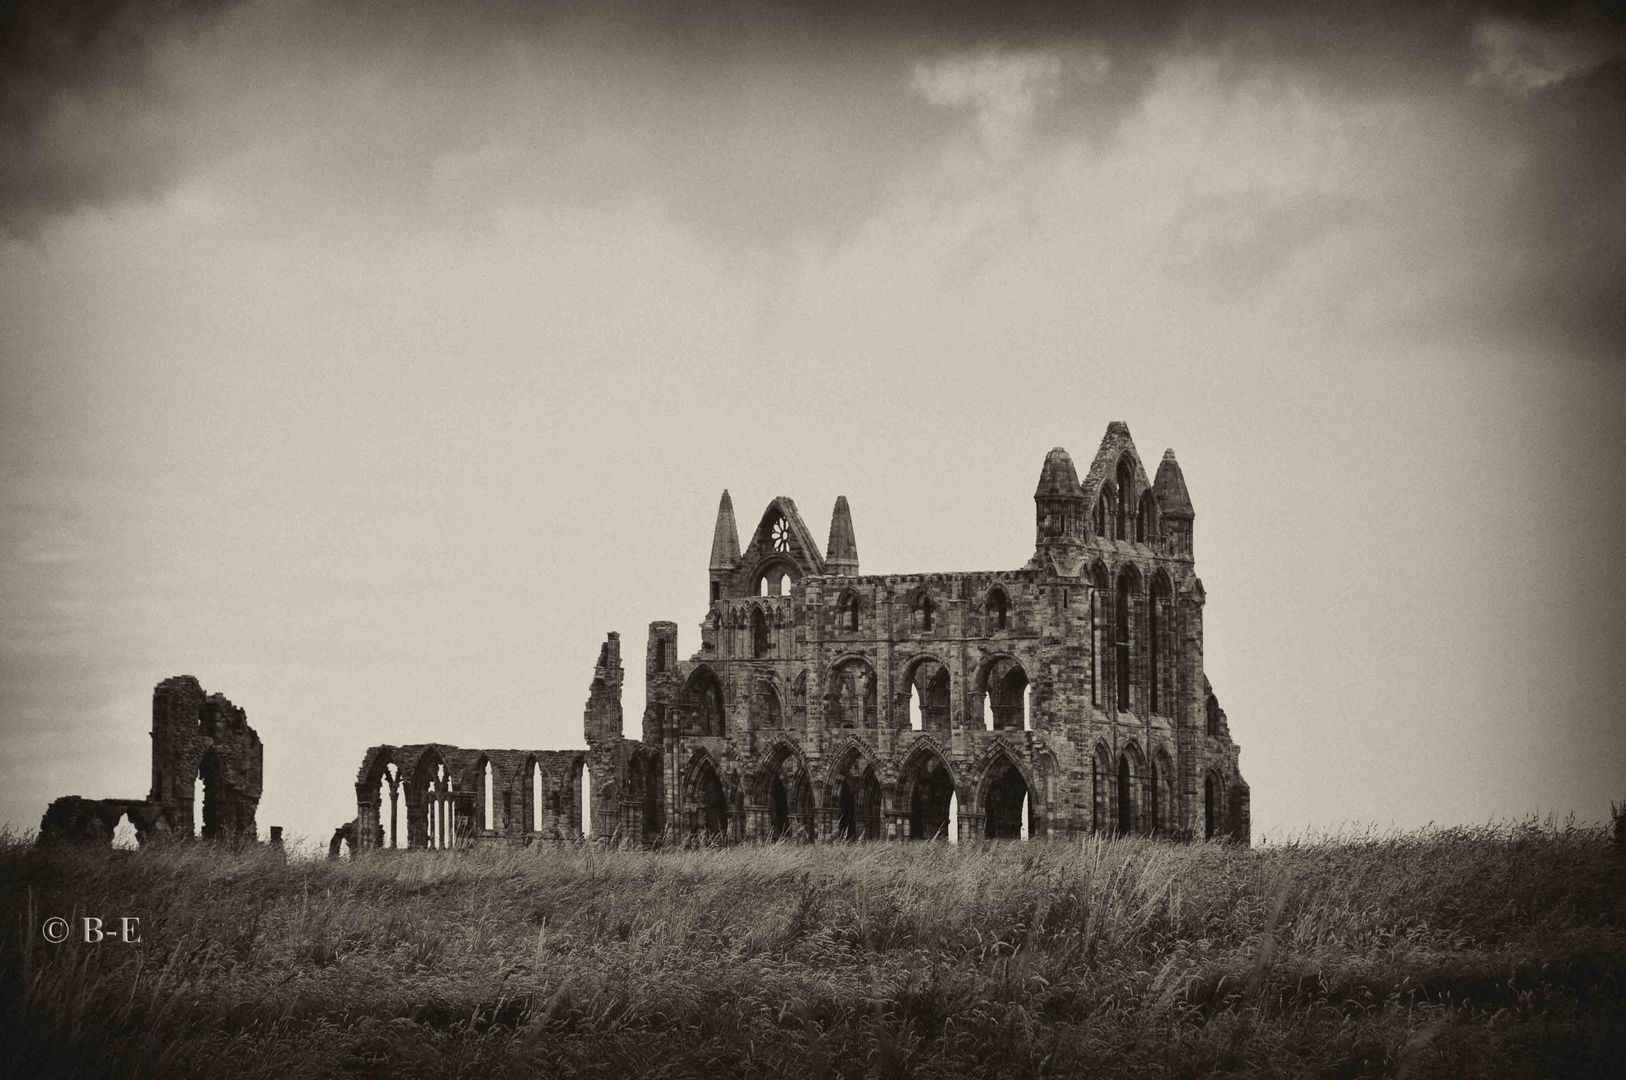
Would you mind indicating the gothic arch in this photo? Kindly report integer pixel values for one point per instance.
(1127, 600)
(1160, 643)
(929, 676)
(1131, 775)
(852, 791)
(1005, 787)
(851, 693)
(926, 783)
(705, 797)
(1161, 812)
(771, 571)
(1002, 679)
(784, 786)
(703, 693)
(761, 635)
(1214, 794)
(1103, 777)
(1146, 518)
(849, 611)
(996, 604)
(645, 795)
(925, 614)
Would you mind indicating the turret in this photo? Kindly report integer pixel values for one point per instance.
(1174, 505)
(1058, 503)
(841, 553)
(725, 546)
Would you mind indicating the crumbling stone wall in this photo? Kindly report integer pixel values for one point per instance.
(194, 736)
(1062, 697)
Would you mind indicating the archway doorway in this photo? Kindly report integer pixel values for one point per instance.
(929, 787)
(858, 800)
(1007, 803)
(709, 804)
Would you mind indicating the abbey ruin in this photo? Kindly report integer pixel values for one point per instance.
(201, 743)
(1061, 698)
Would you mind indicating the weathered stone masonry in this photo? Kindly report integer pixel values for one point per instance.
(1064, 697)
(194, 736)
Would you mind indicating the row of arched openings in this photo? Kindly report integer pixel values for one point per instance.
(926, 788)
(924, 611)
(1118, 513)
(1134, 796)
(440, 820)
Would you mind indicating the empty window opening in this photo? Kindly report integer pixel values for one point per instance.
(586, 796)
(1007, 688)
(1123, 513)
(536, 797)
(206, 813)
(124, 834)
(847, 612)
(389, 807)
(925, 612)
(998, 610)
(1097, 647)
(438, 806)
(929, 697)
(954, 818)
(660, 654)
(1121, 644)
(488, 810)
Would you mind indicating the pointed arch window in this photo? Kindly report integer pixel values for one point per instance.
(1123, 621)
(1121, 511)
(1159, 640)
(847, 612)
(999, 606)
(761, 640)
(925, 612)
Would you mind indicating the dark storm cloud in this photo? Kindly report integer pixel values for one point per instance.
(760, 123)
(81, 121)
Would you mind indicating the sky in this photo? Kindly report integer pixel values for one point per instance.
(371, 362)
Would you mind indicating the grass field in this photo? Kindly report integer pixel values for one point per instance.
(1492, 951)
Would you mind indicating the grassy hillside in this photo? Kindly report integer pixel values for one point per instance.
(1491, 951)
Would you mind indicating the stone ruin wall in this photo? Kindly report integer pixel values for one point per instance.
(194, 736)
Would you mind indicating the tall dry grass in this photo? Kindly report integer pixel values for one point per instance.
(1497, 950)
